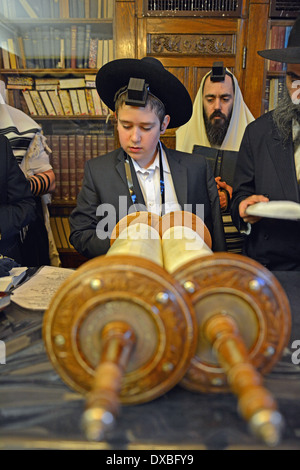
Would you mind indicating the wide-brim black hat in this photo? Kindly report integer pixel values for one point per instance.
(289, 54)
(162, 84)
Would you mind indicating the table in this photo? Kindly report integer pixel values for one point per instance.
(38, 411)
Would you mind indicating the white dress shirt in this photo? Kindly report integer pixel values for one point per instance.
(149, 180)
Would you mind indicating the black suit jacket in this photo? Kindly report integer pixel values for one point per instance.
(105, 182)
(266, 166)
(17, 205)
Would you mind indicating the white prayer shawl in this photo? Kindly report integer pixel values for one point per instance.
(194, 132)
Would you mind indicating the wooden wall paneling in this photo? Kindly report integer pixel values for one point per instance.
(255, 65)
(195, 42)
(125, 29)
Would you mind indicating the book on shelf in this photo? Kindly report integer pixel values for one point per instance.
(67, 83)
(54, 97)
(89, 100)
(66, 102)
(28, 50)
(82, 101)
(87, 40)
(69, 154)
(47, 103)
(55, 162)
(73, 45)
(23, 104)
(39, 106)
(22, 61)
(80, 157)
(61, 232)
(29, 102)
(12, 54)
(64, 8)
(99, 10)
(80, 47)
(72, 167)
(87, 8)
(105, 57)
(90, 80)
(92, 64)
(61, 63)
(81, 8)
(5, 55)
(97, 102)
(29, 9)
(46, 83)
(277, 41)
(19, 80)
(75, 102)
(64, 166)
(94, 9)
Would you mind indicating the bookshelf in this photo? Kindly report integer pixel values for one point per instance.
(274, 80)
(50, 52)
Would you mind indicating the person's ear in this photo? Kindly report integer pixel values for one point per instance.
(165, 124)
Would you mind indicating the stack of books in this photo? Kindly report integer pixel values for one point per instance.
(56, 97)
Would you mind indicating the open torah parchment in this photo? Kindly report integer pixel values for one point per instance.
(276, 210)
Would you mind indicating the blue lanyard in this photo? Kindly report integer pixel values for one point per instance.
(130, 182)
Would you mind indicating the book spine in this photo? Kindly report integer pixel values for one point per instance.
(12, 53)
(54, 97)
(64, 166)
(80, 160)
(110, 143)
(62, 234)
(89, 100)
(72, 166)
(5, 55)
(93, 53)
(101, 144)
(38, 103)
(55, 161)
(22, 52)
(87, 46)
(75, 103)
(67, 230)
(88, 146)
(29, 10)
(55, 232)
(66, 102)
(29, 102)
(48, 105)
(97, 102)
(95, 152)
(73, 46)
(80, 47)
(82, 102)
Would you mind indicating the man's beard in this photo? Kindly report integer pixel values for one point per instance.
(283, 116)
(216, 131)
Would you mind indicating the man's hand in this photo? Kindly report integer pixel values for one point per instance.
(225, 192)
(249, 201)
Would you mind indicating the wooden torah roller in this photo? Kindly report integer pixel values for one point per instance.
(119, 330)
(244, 322)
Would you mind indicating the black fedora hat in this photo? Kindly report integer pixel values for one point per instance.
(162, 84)
(289, 54)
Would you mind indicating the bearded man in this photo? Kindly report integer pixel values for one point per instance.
(268, 169)
(215, 130)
